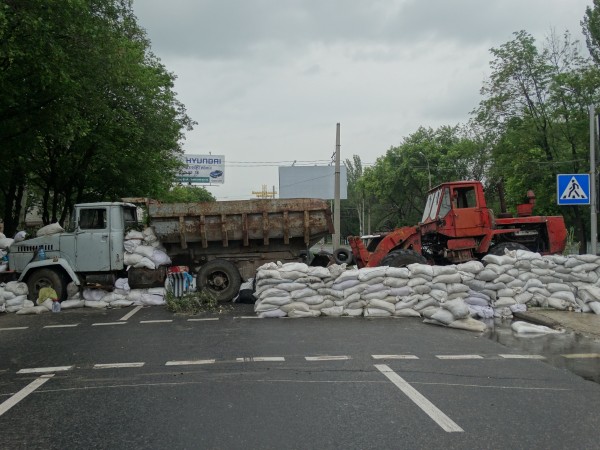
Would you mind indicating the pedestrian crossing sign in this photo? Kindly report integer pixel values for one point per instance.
(573, 189)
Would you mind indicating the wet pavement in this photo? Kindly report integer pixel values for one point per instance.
(576, 350)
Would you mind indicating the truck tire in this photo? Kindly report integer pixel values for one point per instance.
(221, 278)
(42, 278)
(343, 256)
(402, 257)
(498, 250)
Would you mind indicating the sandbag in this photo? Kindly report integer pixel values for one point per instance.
(16, 287)
(334, 311)
(458, 308)
(469, 324)
(53, 228)
(5, 243)
(95, 304)
(406, 312)
(66, 304)
(526, 327)
(594, 306)
(272, 314)
(32, 310)
(444, 316)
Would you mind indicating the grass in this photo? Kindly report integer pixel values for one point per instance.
(195, 303)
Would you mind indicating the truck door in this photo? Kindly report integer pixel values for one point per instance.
(466, 211)
(92, 246)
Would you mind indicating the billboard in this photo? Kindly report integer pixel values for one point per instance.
(209, 169)
(311, 181)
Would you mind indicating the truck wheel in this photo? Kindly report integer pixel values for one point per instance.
(402, 258)
(498, 250)
(343, 256)
(221, 278)
(46, 278)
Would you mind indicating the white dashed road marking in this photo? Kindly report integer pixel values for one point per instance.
(131, 313)
(12, 401)
(261, 359)
(70, 325)
(247, 317)
(327, 358)
(428, 408)
(522, 356)
(13, 328)
(99, 324)
(45, 369)
(157, 321)
(459, 356)
(190, 363)
(203, 320)
(394, 357)
(581, 355)
(118, 365)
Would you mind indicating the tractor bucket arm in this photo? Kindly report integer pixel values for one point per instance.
(404, 237)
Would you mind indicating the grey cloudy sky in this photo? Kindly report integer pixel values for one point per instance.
(267, 80)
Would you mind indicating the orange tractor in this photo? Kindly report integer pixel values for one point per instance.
(457, 226)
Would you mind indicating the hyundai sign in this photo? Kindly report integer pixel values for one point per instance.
(207, 169)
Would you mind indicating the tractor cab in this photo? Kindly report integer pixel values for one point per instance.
(456, 209)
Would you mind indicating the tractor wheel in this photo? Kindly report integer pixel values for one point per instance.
(498, 250)
(221, 278)
(402, 258)
(46, 278)
(343, 256)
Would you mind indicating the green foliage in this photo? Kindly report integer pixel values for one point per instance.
(194, 303)
(88, 112)
(186, 194)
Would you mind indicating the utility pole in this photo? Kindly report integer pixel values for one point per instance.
(593, 214)
(336, 200)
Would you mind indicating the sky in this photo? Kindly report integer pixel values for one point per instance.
(268, 80)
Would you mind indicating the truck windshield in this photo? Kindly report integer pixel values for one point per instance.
(431, 207)
(130, 218)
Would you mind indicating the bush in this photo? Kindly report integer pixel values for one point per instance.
(195, 303)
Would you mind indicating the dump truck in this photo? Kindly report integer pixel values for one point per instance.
(224, 242)
(457, 226)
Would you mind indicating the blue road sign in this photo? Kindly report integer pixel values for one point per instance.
(573, 189)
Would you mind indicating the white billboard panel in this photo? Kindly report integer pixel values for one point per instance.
(311, 182)
(209, 169)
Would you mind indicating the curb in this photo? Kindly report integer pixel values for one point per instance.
(537, 319)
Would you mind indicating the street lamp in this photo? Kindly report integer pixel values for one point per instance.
(428, 171)
(594, 217)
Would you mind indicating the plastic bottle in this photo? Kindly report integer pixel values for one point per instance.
(56, 306)
(41, 253)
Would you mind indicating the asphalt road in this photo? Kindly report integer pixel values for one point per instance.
(88, 379)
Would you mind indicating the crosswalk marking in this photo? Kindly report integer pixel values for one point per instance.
(459, 356)
(522, 356)
(394, 357)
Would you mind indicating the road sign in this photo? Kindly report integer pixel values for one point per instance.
(573, 189)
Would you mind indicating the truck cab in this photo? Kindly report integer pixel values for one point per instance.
(89, 251)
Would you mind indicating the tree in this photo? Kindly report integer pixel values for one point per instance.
(186, 194)
(89, 113)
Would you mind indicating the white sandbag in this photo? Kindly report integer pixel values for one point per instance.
(476, 301)
(502, 302)
(527, 255)
(526, 327)
(294, 267)
(425, 303)
(334, 311)
(317, 271)
(594, 306)
(523, 297)
(379, 304)
(53, 228)
(354, 290)
(261, 307)
(439, 295)
(484, 312)
(397, 272)
(471, 266)
(421, 270)
(160, 258)
(272, 292)
(353, 312)
(297, 314)
(401, 291)
(505, 278)
(32, 310)
(93, 294)
(506, 292)
(375, 295)
(376, 312)
(274, 313)
(157, 291)
(267, 273)
(134, 234)
(499, 260)
(16, 287)
(15, 301)
(503, 313)
(331, 292)
(443, 315)
(444, 270)
(47, 303)
(113, 297)
(518, 308)
(559, 304)
(487, 275)
(422, 289)
(360, 304)
(5, 243)
(567, 296)
(122, 283)
(469, 324)
(326, 303)
(448, 278)
(131, 244)
(456, 287)
(276, 301)
(379, 287)
(458, 308)
(145, 263)
(585, 267)
(95, 304)
(306, 292)
(295, 306)
(368, 273)
(145, 250)
(345, 284)
(152, 300)
(149, 235)
(3, 267)
(131, 259)
(406, 312)
(394, 282)
(313, 300)
(67, 304)
(417, 280)
(498, 269)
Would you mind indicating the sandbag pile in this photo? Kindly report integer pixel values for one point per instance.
(143, 249)
(451, 296)
(13, 297)
(5, 243)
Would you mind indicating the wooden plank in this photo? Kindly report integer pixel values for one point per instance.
(286, 228)
(245, 230)
(182, 240)
(265, 228)
(203, 231)
(225, 240)
(306, 227)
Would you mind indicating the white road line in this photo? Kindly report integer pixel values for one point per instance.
(203, 320)
(459, 356)
(581, 355)
(327, 358)
(70, 325)
(522, 356)
(45, 369)
(13, 328)
(190, 363)
(118, 365)
(394, 357)
(428, 408)
(261, 359)
(246, 317)
(157, 321)
(12, 401)
(99, 324)
(131, 313)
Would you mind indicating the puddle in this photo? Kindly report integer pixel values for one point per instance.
(553, 347)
